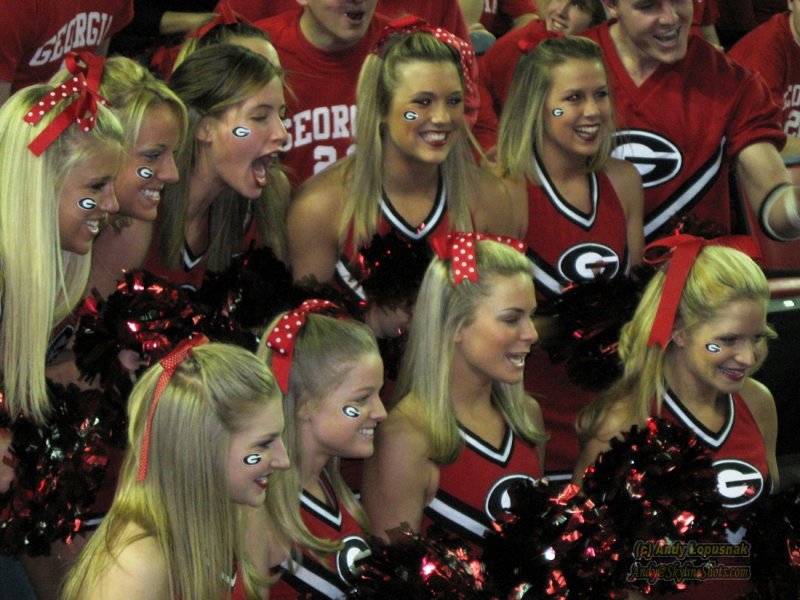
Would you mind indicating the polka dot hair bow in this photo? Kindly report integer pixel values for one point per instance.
(87, 70)
(282, 337)
(469, 66)
(678, 253)
(169, 363)
(460, 248)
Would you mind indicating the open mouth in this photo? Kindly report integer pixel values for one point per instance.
(262, 482)
(153, 195)
(668, 38)
(93, 226)
(435, 138)
(733, 374)
(517, 359)
(260, 168)
(367, 432)
(356, 16)
(588, 132)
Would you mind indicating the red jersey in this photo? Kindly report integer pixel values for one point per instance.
(771, 50)
(38, 33)
(740, 460)
(683, 127)
(322, 104)
(572, 247)
(498, 64)
(473, 491)
(329, 521)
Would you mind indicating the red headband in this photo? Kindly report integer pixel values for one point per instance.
(469, 68)
(459, 248)
(681, 250)
(169, 363)
(225, 16)
(282, 338)
(87, 71)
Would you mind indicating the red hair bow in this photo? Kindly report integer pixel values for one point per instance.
(680, 251)
(87, 71)
(533, 38)
(169, 363)
(282, 337)
(225, 16)
(469, 67)
(459, 248)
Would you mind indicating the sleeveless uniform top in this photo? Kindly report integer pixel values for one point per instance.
(330, 521)
(473, 490)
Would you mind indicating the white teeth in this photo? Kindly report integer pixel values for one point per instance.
(434, 136)
(94, 226)
(588, 130)
(668, 37)
(152, 194)
(369, 432)
(518, 360)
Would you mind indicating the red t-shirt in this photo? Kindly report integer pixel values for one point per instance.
(38, 33)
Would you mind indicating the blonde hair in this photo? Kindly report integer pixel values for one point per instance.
(719, 276)
(521, 129)
(442, 309)
(183, 503)
(326, 349)
(40, 283)
(377, 84)
(209, 82)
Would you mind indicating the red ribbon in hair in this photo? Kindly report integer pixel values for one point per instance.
(282, 337)
(87, 71)
(459, 248)
(169, 363)
(533, 38)
(469, 67)
(680, 251)
(225, 16)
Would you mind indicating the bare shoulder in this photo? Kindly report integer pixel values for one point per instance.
(759, 400)
(138, 571)
(621, 173)
(614, 422)
(322, 194)
(493, 206)
(402, 428)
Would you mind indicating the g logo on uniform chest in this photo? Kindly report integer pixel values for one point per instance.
(656, 158)
(739, 483)
(498, 500)
(353, 546)
(584, 262)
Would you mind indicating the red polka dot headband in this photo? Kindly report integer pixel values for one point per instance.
(87, 71)
(169, 363)
(469, 67)
(282, 338)
(678, 253)
(459, 248)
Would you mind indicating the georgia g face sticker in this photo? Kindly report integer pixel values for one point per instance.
(410, 115)
(252, 459)
(87, 204)
(350, 412)
(241, 131)
(145, 172)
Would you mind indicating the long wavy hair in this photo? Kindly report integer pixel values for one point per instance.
(183, 504)
(442, 309)
(377, 83)
(209, 82)
(40, 283)
(521, 132)
(719, 276)
(326, 349)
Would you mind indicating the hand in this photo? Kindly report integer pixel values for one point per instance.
(7, 474)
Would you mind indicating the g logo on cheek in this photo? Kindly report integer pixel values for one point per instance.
(145, 172)
(241, 132)
(410, 115)
(252, 459)
(87, 204)
(351, 412)
(557, 112)
(715, 348)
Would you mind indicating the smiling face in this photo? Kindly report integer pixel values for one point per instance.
(493, 347)
(335, 25)
(254, 452)
(242, 142)
(567, 16)
(86, 198)
(343, 422)
(577, 109)
(426, 114)
(149, 165)
(651, 32)
(717, 355)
